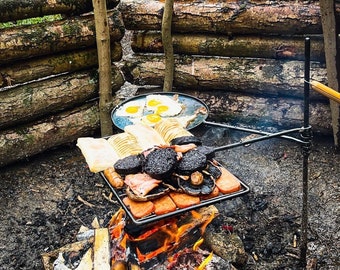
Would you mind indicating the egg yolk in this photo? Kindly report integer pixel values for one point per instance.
(161, 109)
(153, 102)
(132, 109)
(153, 118)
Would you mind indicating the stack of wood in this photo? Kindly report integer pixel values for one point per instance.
(245, 59)
(49, 77)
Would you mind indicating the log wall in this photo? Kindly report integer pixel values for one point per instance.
(49, 77)
(244, 59)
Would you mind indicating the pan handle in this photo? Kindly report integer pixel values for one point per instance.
(266, 135)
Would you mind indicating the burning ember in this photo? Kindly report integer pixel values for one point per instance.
(167, 244)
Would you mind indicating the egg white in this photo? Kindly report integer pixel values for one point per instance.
(163, 105)
(133, 109)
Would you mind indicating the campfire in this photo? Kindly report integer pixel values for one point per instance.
(173, 243)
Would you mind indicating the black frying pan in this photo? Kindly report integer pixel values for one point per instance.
(191, 104)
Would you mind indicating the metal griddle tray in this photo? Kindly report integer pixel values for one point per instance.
(120, 194)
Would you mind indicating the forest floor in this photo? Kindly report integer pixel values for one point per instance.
(42, 202)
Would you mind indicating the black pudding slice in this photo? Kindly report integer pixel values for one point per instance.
(160, 163)
(129, 165)
(191, 161)
(186, 140)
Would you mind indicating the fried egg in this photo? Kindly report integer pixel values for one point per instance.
(151, 119)
(133, 109)
(163, 105)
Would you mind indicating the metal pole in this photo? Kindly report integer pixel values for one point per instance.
(306, 136)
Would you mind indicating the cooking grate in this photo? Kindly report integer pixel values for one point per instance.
(120, 194)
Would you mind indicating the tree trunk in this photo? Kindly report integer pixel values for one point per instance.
(276, 47)
(34, 138)
(49, 38)
(104, 66)
(226, 17)
(264, 77)
(331, 32)
(31, 101)
(167, 45)
(38, 8)
(37, 68)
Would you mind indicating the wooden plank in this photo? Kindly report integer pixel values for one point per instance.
(330, 32)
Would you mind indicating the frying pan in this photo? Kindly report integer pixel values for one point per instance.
(191, 104)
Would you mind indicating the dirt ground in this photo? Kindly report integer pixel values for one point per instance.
(42, 209)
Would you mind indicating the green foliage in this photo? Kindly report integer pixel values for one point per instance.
(30, 21)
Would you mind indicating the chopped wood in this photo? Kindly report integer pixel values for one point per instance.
(101, 250)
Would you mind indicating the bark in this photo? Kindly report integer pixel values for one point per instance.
(226, 17)
(66, 127)
(31, 101)
(264, 77)
(264, 113)
(11, 10)
(276, 47)
(49, 38)
(167, 45)
(104, 64)
(37, 68)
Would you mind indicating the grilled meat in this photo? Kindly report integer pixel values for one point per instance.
(160, 163)
(191, 161)
(186, 140)
(129, 165)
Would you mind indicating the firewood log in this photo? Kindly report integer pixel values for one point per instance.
(30, 101)
(37, 68)
(265, 77)
(24, 141)
(23, 9)
(48, 38)
(226, 17)
(276, 47)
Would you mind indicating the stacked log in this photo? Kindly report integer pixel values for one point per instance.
(49, 77)
(246, 54)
